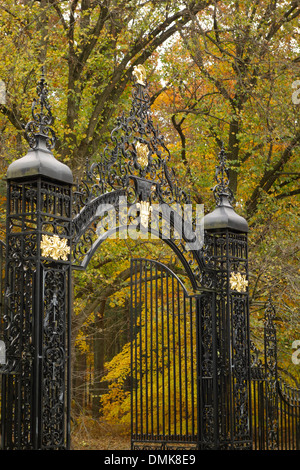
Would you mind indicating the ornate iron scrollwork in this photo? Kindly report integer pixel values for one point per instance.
(134, 166)
(54, 358)
(270, 346)
(137, 161)
(222, 178)
(40, 125)
(36, 318)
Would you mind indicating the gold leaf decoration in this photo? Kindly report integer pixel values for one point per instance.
(145, 210)
(139, 73)
(238, 282)
(55, 247)
(142, 154)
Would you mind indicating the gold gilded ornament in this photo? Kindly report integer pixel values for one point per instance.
(238, 282)
(139, 73)
(142, 154)
(145, 210)
(55, 247)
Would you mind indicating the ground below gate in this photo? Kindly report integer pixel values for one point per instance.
(89, 434)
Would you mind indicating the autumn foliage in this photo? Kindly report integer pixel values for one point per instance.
(218, 72)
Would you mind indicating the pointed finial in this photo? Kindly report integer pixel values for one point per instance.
(42, 120)
(221, 189)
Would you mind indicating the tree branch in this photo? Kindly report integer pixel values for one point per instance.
(178, 128)
(290, 194)
(270, 176)
(138, 54)
(12, 116)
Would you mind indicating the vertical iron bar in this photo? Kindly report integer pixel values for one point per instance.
(162, 351)
(281, 424)
(289, 425)
(293, 430)
(254, 408)
(37, 331)
(192, 365)
(151, 347)
(179, 359)
(141, 349)
(215, 374)
(169, 357)
(131, 349)
(248, 329)
(285, 433)
(199, 406)
(135, 352)
(146, 347)
(69, 375)
(157, 352)
(229, 340)
(185, 367)
(174, 358)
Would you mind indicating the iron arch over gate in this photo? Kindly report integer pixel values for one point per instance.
(134, 183)
(53, 229)
(191, 357)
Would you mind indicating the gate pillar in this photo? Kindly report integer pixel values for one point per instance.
(36, 382)
(230, 395)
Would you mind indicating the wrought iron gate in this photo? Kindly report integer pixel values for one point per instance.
(163, 359)
(275, 404)
(2, 344)
(190, 354)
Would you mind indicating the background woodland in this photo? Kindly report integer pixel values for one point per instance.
(218, 71)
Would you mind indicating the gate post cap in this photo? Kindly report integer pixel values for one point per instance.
(225, 217)
(40, 161)
(41, 138)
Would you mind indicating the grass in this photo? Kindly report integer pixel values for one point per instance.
(88, 433)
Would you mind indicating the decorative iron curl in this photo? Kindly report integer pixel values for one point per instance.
(42, 120)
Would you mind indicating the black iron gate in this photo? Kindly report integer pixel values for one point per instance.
(275, 404)
(190, 353)
(186, 392)
(164, 391)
